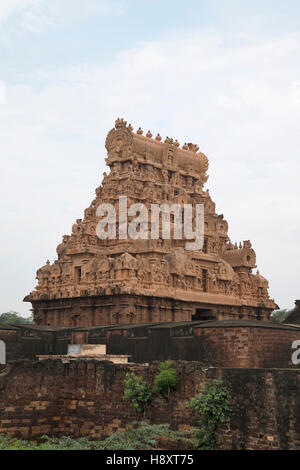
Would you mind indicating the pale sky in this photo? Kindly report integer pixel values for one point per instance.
(222, 74)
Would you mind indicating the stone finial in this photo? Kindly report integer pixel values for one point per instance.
(149, 134)
(177, 143)
(168, 140)
(120, 123)
(247, 244)
(193, 147)
(185, 146)
(158, 137)
(130, 127)
(139, 131)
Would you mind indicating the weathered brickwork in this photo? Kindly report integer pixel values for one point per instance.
(12, 340)
(248, 347)
(220, 344)
(85, 398)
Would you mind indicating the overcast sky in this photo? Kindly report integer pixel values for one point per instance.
(223, 74)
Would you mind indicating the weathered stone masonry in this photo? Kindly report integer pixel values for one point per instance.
(214, 343)
(55, 398)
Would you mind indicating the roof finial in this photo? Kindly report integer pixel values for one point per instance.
(120, 123)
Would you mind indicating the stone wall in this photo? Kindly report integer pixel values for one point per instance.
(219, 344)
(252, 347)
(13, 343)
(27, 342)
(85, 398)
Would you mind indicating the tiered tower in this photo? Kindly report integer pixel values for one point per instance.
(102, 282)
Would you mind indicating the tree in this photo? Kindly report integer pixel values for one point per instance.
(14, 318)
(138, 391)
(166, 380)
(278, 316)
(212, 405)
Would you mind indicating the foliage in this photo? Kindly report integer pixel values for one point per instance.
(165, 365)
(8, 443)
(14, 318)
(212, 404)
(143, 436)
(278, 316)
(137, 436)
(166, 380)
(138, 391)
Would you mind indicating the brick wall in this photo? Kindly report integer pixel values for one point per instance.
(219, 346)
(85, 398)
(13, 344)
(247, 347)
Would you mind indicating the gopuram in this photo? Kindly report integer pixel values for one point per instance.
(121, 280)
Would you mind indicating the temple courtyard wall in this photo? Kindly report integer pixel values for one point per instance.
(85, 398)
(238, 344)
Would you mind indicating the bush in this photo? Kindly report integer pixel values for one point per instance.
(167, 365)
(138, 391)
(166, 380)
(137, 436)
(144, 436)
(212, 404)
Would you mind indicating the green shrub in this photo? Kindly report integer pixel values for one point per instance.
(166, 366)
(136, 436)
(212, 404)
(166, 380)
(138, 391)
(144, 436)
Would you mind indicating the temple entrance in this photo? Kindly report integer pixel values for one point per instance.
(202, 314)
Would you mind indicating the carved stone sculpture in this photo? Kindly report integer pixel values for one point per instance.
(98, 282)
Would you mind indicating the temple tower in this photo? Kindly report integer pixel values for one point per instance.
(124, 280)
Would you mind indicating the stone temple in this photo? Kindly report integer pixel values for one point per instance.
(120, 281)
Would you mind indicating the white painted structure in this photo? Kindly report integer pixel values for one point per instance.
(2, 352)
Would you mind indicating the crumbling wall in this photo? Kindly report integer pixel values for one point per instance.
(85, 397)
